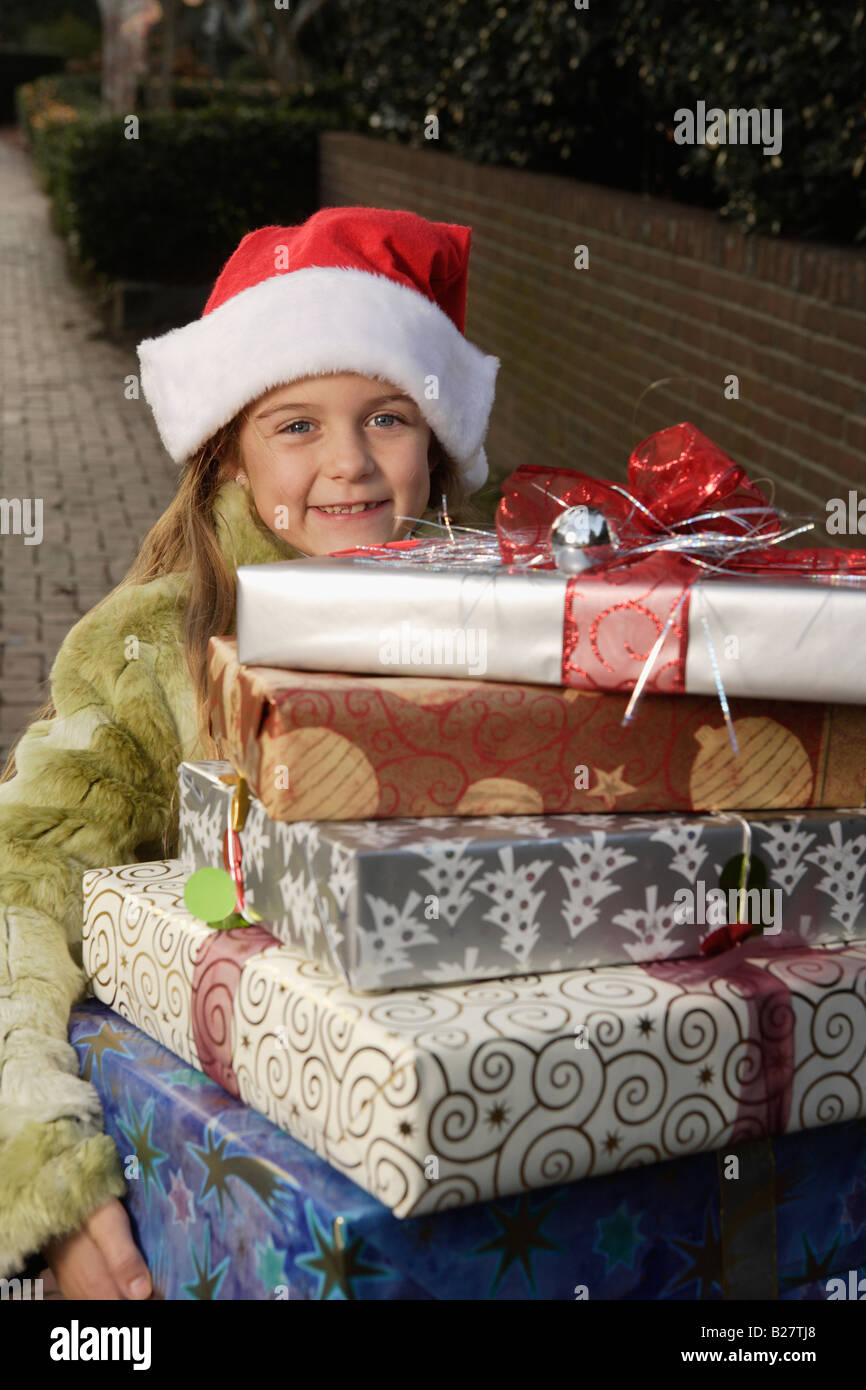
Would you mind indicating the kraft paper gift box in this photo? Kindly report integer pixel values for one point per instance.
(319, 746)
(226, 1206)
(458, 1093)
(388, 904)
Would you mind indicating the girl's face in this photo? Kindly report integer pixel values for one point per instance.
(327, 443)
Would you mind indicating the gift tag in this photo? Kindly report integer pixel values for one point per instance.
(210, 894)
(734, 873)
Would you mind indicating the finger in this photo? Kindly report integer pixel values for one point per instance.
(50, 1286)
(82, 1272)
(109, 1229)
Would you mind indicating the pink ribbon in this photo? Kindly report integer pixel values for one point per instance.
(766, 1078)
(216, 976)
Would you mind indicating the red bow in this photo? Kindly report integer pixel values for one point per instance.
(731, 934)
(674, 476)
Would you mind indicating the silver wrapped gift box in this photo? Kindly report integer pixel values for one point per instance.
(403, 611)
(390, 904)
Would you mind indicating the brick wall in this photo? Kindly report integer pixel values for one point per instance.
(669, 292)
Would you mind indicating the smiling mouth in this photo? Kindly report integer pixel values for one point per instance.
(353, 509)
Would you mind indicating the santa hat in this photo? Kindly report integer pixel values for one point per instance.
(367, 290)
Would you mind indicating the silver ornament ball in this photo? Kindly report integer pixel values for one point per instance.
(581, 537)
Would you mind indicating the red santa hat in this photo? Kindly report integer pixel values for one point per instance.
(367, 290)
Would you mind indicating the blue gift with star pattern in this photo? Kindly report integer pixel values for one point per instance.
(224, 1205)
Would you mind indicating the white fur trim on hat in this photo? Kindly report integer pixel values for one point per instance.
(315, 322)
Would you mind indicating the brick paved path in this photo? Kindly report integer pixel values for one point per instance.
(68, 436)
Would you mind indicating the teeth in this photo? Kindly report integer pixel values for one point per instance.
(343, 511)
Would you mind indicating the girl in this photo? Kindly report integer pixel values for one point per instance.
(326, 396)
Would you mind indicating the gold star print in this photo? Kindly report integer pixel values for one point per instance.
(611, 1143)
(611, 785)
(138, 1131)
(105, 1039)
(520, 1237)
(424, 1235)
(705, 1076)
(336, 1264)
(245, 1042)
(208, 1277)
(815, 1268)
(704, 1256)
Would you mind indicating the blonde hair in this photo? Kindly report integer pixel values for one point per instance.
(184, 539)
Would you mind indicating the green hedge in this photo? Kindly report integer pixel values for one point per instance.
(172, 204)
(808, 59)
(592, 93)
(17, 68)
(47, 110)
(73, 89)
(540, 85)
(533, 85)
(329, 95)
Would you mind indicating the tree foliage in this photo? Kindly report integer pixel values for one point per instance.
(592, 94)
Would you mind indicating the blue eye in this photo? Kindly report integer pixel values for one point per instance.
(384, 415)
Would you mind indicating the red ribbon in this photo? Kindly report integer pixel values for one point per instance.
(677, 474)
(766, 1073)
(728, 936)
(233, 861)
(216, 977)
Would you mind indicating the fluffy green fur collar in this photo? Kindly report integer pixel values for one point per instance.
(94, 788)
(243, 537)
(241, 532)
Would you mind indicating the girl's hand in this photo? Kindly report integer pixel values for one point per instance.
(101, 1260)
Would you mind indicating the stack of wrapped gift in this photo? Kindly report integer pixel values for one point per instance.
(551, 854)
(227, 1206)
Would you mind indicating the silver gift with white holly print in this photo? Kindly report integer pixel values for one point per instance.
(399, 903)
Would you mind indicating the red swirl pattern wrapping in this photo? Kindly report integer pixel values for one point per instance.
(372, 747)
(215, 981)
(611, 624)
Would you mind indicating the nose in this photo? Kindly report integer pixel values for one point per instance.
(349, 453)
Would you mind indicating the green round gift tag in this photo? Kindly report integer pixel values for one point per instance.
(210, 894)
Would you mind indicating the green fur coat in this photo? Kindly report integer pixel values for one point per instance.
(94, 787)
